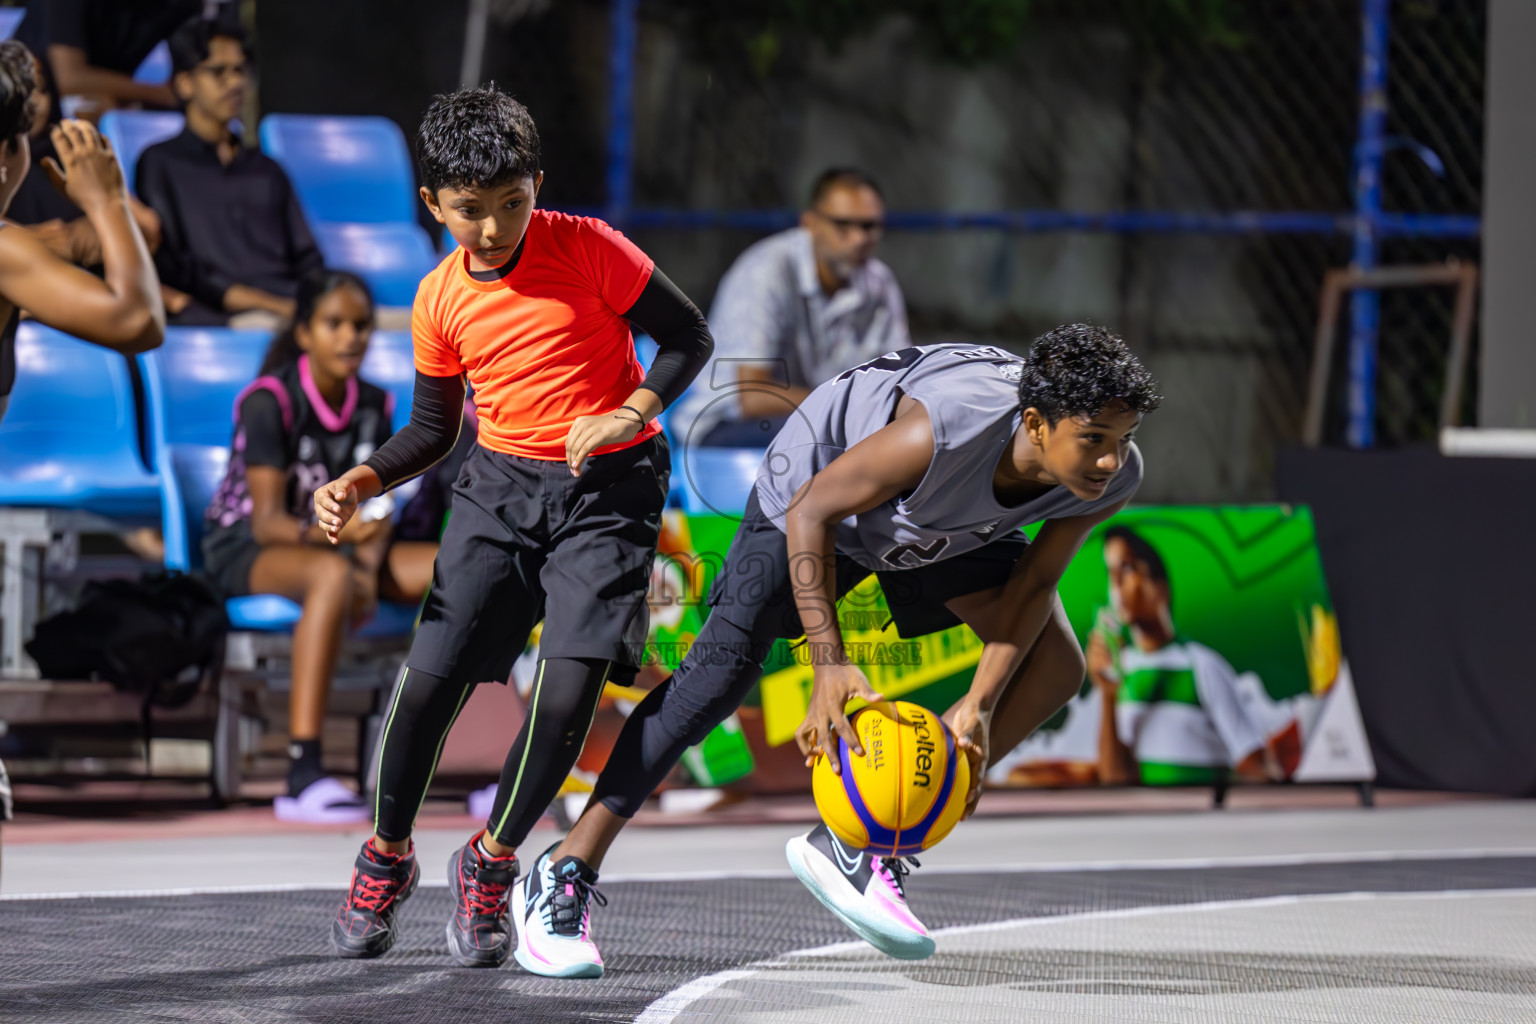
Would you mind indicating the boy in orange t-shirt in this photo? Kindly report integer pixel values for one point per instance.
(556, 513)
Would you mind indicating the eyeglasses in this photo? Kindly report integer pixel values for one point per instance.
(222, 71)
(846, 224)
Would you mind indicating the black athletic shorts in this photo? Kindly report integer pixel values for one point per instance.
(526, 540)
(755, 581)
(229, 553)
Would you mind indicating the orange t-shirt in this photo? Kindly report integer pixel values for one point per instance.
(545, 344)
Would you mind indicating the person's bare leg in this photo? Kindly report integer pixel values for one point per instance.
(1051, 676)
(322, 582)
(1052, 672)
(591, 836)
(406, 573)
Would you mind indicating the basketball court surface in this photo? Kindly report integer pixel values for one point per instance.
(1407, 913)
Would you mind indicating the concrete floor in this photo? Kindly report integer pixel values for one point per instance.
(1424, 912)
(263, 857)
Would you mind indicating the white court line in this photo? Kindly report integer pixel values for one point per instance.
(1254, 861)
(1262, 860)
(667, 1009)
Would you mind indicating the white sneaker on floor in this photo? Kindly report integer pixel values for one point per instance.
(865, 892)
(552, 909)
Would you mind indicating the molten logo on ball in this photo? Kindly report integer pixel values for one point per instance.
(924, 759)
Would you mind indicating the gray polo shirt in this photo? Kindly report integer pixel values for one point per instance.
(770, 311)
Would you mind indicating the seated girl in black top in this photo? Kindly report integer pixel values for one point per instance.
(306, 419)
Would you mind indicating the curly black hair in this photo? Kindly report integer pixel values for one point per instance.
(1078, 369)
(18, 88)
(476, 138)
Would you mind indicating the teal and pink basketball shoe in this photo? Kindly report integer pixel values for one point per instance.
(867, 893)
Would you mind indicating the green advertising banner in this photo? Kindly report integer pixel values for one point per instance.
(1208, 632)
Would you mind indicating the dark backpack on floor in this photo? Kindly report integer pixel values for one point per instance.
(143, 636)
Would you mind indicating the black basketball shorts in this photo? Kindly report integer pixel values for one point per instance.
(527, 540)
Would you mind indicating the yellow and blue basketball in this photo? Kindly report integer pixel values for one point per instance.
(908, 790)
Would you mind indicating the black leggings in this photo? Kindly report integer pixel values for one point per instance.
(722, 665)
(560, 710)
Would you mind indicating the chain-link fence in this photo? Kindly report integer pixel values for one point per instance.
(1182, 170)
(1185, 171)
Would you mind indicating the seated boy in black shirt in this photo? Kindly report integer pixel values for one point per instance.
(234, 238)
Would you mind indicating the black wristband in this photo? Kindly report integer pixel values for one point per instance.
(639, 416)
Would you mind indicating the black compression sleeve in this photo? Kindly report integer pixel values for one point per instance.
(683, 341)
(437, 413)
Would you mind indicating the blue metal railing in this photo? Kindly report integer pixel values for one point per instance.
(1365, 303)
(1367, 224)
(623, 30)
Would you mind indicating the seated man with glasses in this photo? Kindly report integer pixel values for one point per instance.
(795, 310)
(234, 239)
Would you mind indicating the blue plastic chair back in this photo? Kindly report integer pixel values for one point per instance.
(131, 132)
(391, 364)
(192, 473)
(192, 382)
(70, 437)
(156, 68)
(200, 372)
(715, 480)
(350, 169)
(10, 21)
(392, 258)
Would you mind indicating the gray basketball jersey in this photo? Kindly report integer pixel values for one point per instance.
(971, 395)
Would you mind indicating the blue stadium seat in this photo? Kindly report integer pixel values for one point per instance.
(70, 438)
(10, 21)
(346, 169)
(192, 381)
(716, 480)
(392, 258)
(391, 364)
(131, 132)
(156, 68)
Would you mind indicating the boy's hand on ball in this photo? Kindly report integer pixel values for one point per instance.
(970, 725)
(589, 433)
(335, 504)
(827, 719)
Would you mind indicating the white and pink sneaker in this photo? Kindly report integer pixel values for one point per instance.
(865, 892)
(552, 907)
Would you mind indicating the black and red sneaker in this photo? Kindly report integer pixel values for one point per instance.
(365, 924)
(481, 884)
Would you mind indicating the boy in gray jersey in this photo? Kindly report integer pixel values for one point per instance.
(921, 467)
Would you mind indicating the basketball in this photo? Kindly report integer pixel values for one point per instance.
(908, 790)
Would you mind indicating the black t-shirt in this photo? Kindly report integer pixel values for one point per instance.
(8, 356)
(8, 353)
(37, 200)
(222, 225)
(283, 421)
(115, 34)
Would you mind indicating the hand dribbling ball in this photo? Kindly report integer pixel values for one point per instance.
(908, 790)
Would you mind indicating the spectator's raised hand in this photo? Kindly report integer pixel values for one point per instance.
(86, 171)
